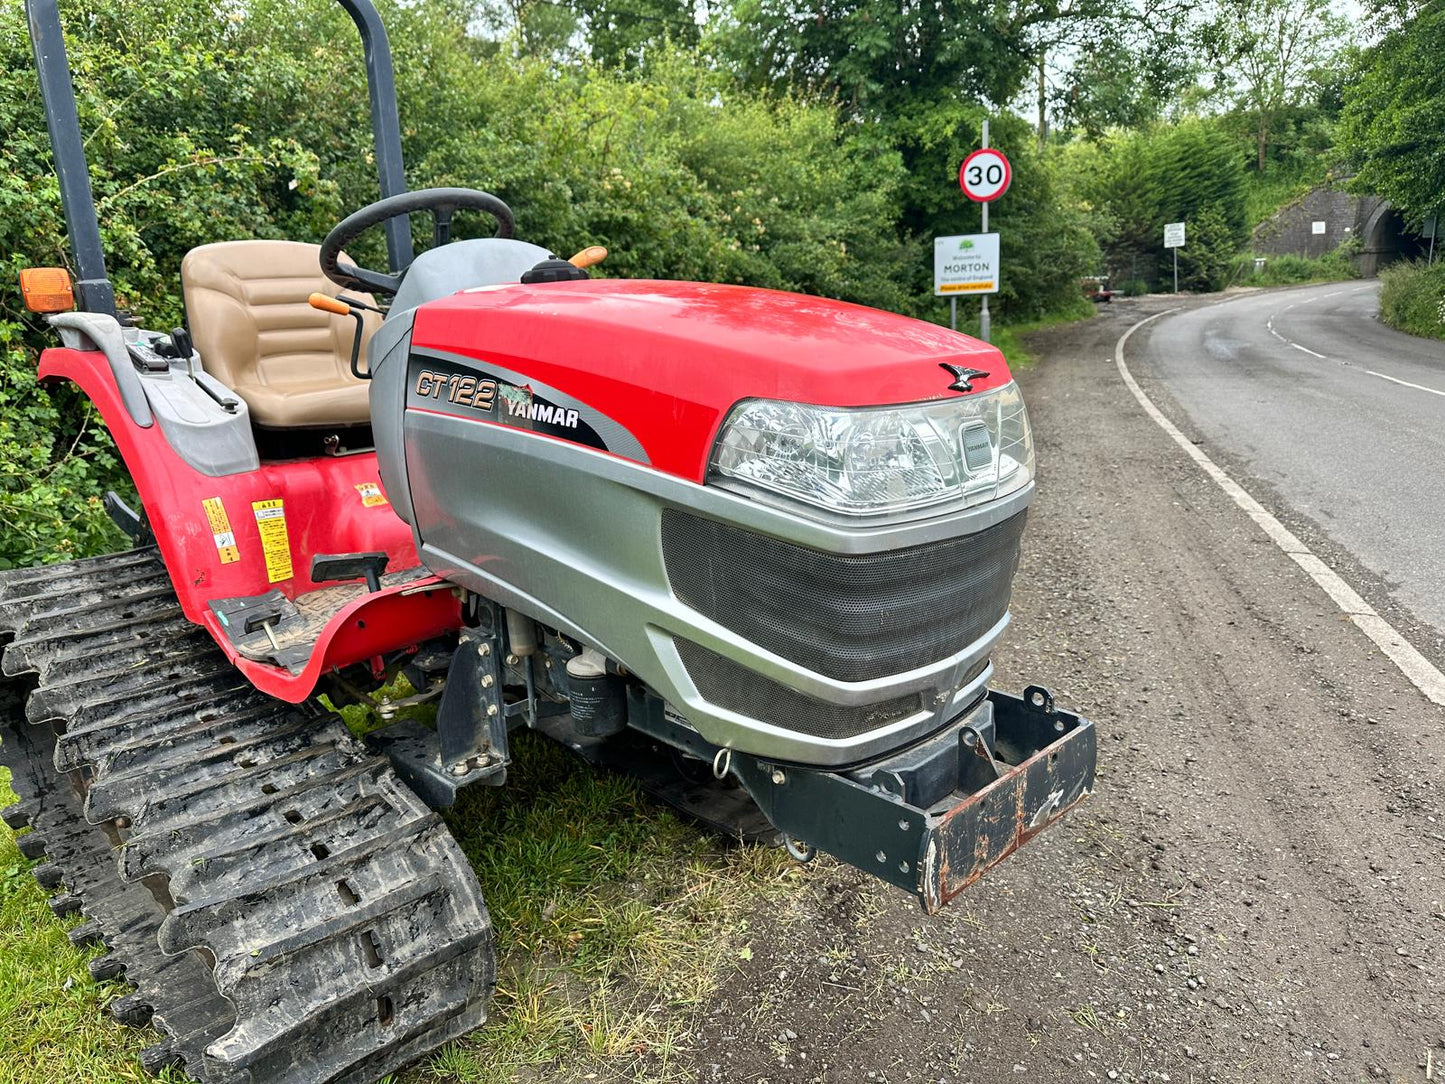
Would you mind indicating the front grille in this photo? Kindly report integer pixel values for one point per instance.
(733, 686)
(852, 617)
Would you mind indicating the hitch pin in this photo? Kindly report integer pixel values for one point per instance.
(266, 627)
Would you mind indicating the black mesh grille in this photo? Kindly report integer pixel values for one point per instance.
(733, 686)
(849, 616)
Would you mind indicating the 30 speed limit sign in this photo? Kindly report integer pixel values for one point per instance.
(984, 175)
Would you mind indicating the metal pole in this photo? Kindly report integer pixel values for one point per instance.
(984, 326)
(385, 124)
(953, 313)
(93, 290)
(1176, 269)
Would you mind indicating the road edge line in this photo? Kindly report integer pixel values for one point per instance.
(1418, 670)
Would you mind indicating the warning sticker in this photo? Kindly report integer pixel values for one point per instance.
(221, 530)
(371, 495)
(271, 522)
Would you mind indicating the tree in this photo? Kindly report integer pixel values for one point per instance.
(1392, 128)
(622, 33)
(1118, 82)
(1266, 53)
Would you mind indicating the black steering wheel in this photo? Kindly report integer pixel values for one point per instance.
(441, 202)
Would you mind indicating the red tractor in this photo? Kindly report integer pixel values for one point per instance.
(772, 535)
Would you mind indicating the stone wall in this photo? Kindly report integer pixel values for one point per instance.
(1367, 219)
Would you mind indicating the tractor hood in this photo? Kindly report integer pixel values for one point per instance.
(648, 370)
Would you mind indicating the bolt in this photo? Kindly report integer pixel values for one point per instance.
(903, 826)
(484, 650)
(487, 681)
(460, 769)
(547, 662)
(970, 738)
(512, 660)
(881, 857)
(491, 710)
(778, 777)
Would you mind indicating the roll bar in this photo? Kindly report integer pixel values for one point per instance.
(93, 290)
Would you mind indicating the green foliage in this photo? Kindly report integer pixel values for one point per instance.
(1132, 183)
(1206, 260)
(1391, 127)
(1267, 55)
(1412, 298)
(1336, 266)
(1115, 82)
(877, 57)
(1044, 245)
(1265, 194)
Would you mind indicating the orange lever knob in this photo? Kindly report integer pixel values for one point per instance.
(329, 304)
(589, 256)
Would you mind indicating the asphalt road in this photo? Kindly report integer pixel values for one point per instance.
(1341, 416)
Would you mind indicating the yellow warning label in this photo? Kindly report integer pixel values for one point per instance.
(967, 287)
(221, 530)
(371, 495)
(271, 522)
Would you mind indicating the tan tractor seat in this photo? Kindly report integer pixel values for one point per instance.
(249, 318)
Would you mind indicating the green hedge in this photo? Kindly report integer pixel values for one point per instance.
(1333, 266)
(1412, 298)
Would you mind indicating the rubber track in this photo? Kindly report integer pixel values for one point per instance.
(284, 908)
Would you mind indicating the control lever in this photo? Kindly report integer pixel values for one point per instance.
(178, 345)
(181, 342)
(345, 306)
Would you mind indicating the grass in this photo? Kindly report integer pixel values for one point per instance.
(1412, 298)
(615, 921)
(1009, 337)
(1336, 266)
(51, 1024)
(1267, 193)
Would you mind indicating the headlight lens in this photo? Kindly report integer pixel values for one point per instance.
(877, 460)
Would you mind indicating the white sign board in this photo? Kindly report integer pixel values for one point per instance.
(965, 265)
(1317, 227)
(1174, 235)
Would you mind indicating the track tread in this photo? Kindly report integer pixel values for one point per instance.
(334, 909)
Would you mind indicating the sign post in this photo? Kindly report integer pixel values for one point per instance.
(984, 176)
(1174, 238)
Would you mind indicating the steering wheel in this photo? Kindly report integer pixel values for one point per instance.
(442, 203)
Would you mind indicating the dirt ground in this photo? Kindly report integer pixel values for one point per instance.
(1256, 892)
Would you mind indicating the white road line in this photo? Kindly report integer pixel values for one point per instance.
(1417, 669)
(1269, 326)
(1405, 383)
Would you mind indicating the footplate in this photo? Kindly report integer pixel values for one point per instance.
(934, 818)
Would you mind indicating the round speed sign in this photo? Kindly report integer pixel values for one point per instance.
(984, 175)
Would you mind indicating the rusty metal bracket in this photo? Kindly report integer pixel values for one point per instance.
(934, 818)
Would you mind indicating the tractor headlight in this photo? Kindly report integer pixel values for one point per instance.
(875, 460)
